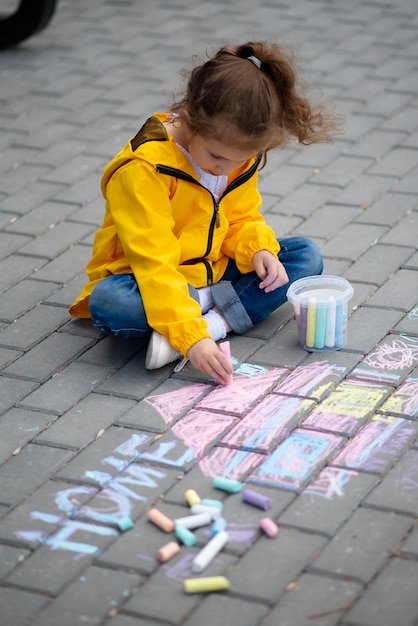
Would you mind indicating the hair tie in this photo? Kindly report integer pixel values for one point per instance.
(255, 61)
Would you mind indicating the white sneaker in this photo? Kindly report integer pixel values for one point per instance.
(160, 352)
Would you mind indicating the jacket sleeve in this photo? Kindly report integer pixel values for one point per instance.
(139, 201)
(248, 232)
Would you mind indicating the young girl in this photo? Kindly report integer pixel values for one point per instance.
(184, 255)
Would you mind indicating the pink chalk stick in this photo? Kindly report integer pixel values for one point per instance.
(268, 527)
(225, 348)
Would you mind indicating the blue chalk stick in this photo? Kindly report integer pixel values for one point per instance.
(218, 525)
(321, 324)
(213, 504)
(227, 484)
(185, 535)
(339, 325)
(125, 524)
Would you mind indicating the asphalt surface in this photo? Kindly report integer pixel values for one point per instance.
(90, 440)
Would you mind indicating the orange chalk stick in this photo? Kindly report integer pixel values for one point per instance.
(168, 551)
(162, 521)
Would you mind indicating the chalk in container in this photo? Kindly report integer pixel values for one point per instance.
(320, 304)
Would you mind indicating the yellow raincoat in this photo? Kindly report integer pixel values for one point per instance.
(168, 230)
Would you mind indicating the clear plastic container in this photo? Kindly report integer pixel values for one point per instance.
(320, 304)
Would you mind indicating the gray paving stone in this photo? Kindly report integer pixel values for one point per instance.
(32, 327)
(403, 233)
(19, 605)
(85, 421)
(376, 606)
(363, 191)
(15, 268)
(48, 356)
(378, 263)
(342, 170)
(112, 352)
(94, 594)
(362, 546)
(366, 327)
(306, 199)
(41, 218)
(352, 240)
(13, 390)
(237, 612)
(397, 490)
(315, 509)
(23, 296)
(8, 355)
(313, 599)
(10, 557)
(21, 427)
(398, 292)
(11, 243)
(29, 196)
(18, 476)
(60, 393)
(410, 546)
(65, 266)
(56, 240)
(263, 573)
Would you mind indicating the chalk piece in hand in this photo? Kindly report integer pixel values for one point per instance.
(162, 521)
(225, 348)
(168, 551)
(227, 484)
(268, 527)
(256, 499)
(192, 497)
(206, 585)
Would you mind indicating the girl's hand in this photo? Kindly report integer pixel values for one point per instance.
(206, 357)
(270, 270)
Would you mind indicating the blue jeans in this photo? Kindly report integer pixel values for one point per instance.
(116, 304)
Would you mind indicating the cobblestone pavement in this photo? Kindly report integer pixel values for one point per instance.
(89, 438)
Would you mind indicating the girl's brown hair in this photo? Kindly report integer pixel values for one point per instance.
(231, 99)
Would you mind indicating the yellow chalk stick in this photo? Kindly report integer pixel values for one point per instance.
(206, 585)
(192, 497)
(311, 323)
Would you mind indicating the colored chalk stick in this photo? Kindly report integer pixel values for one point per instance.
(227, 484)
(202, 508)
(225, 348)
(192, 497)
(194, 521)
(256, 499)
(311, 323)
(268, 527)
(302, 320)
(206, 585)
(213, 504)
(330, 329)
(320, 325)
(339, 325)
(162, 521)
(185, 535)
(167, 552)
(208, 553)
(125, 524)
(219, 524)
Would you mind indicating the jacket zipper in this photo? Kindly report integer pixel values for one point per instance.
(216, 220)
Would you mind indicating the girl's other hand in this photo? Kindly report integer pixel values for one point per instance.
(269, 269)
(207, 357)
